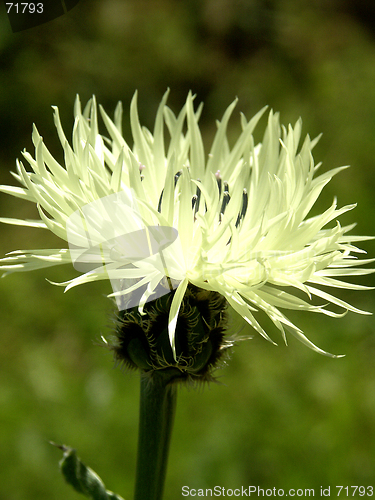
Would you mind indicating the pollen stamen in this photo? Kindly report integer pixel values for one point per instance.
(141, 168)
(241, 215)
(218, 179)
(176, 177)
(196, 200)
(226, 198)
(193, 201)
(160, 200)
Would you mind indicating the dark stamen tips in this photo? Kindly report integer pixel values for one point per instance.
(176, 177)
(160, 200)
(245, 200)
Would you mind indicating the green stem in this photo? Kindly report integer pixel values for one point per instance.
(157, 410)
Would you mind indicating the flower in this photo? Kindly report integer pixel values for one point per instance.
(236, 223)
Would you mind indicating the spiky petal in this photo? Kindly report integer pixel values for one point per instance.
(241, 213)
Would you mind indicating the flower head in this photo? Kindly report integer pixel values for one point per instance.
(160, 216)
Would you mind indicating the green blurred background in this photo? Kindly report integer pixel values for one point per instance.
(281, 417)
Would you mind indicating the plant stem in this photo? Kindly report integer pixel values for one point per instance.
(156, 416)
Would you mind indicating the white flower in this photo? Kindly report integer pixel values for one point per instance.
(241, 214)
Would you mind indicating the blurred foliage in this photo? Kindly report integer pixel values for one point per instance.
(282, 416)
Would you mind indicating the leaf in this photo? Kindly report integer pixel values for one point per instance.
(83, 478)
